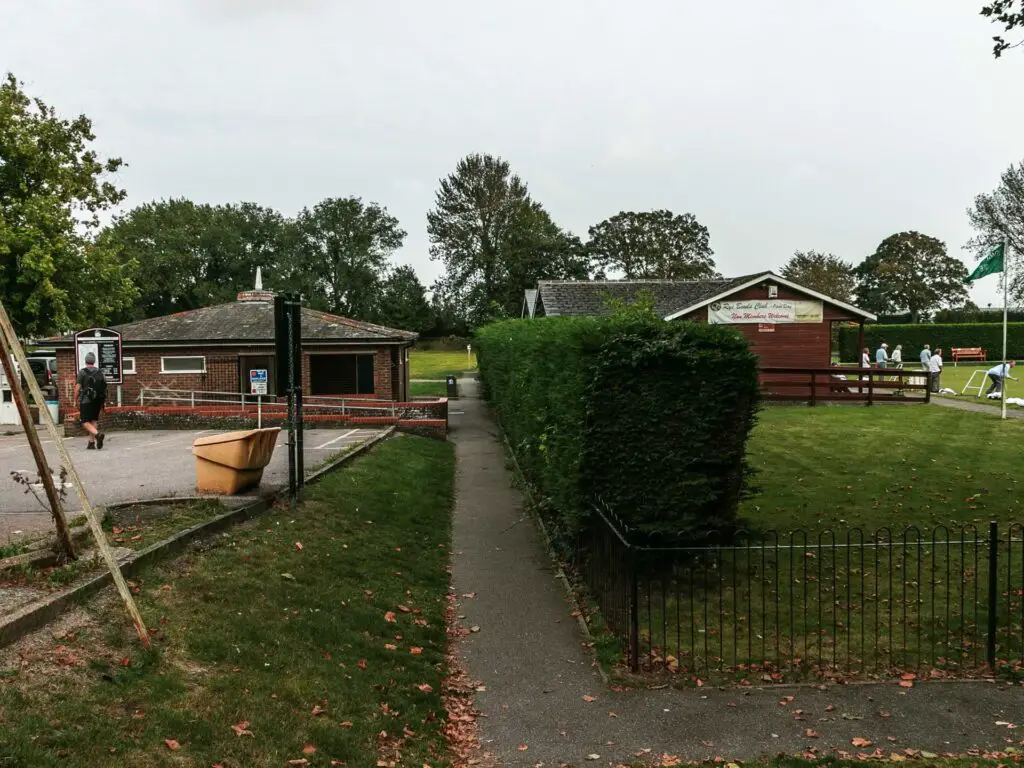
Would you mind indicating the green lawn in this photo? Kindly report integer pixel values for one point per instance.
(883, 465)
(316, 634)
(428, 389)
(431, 364)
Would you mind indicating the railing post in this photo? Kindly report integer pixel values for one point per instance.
(814, 389)
(142, 397)
(993, 592)
(192, 398)
(871, 388)
(634, 612)
(927, 387)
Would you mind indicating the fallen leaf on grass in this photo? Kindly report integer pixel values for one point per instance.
(172, 745)
(361, 663)
(588, 698)
(345, 723)
(318, 710)
(126, 661)
(287, 576)
(390, 617)
(298, 545)
(299, 761)
(390, 647)
(415, 651)
(242, 729)
(860, 742)
(404, 609)
(308, 749)
(426, 687)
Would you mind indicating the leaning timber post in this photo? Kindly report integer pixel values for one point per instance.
(64, 544)
(7, 330)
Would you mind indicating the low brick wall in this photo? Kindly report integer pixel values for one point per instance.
(422, 418)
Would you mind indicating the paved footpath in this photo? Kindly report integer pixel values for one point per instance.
(977, 406)
(528, 653)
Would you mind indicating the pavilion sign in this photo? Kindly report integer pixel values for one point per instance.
(765, 311)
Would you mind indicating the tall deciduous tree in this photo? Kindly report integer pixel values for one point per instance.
(193, 255)
(403, 302)
(910, 272)
(345, 248)
(1008, 13)
(54, 276)
(824, 272)
(998, 217)
(653, 245)
(494, 240)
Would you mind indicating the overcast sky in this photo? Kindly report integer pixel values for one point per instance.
(780, 124)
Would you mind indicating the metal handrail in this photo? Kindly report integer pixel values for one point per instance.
(193, 397)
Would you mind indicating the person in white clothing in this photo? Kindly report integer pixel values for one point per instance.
(865, 358)
(935, 368)
(997, 375)
(896, 358)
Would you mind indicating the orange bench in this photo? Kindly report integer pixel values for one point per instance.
(968, 353)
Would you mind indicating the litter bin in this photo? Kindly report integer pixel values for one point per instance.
(453, 388)
(52, 406)
(232, 462)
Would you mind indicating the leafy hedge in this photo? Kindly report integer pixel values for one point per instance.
(989, 336)
(650, 418)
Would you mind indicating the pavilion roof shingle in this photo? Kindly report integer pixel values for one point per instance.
(584, 298)
(250, 321)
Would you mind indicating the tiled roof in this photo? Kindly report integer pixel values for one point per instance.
(249, 321)
(574, 298)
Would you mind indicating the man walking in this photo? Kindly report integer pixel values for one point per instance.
(998, 374)
(935, 368)
(926, 356)
(882, 355)
(91, 394)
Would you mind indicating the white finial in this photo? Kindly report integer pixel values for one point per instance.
(259, 279)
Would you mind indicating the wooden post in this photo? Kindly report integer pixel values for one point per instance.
(814, 390)
(7, 330)
(64, 544)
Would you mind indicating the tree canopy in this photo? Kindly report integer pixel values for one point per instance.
(1009, 14)
(191, 255)
(403, 303)
(653, 245)
(998, 217)
(494, 240)
(910, 272)
(54, 275)
(824, 272)
(345, 247)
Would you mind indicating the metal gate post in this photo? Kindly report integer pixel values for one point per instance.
(634, 613)
(993, 592)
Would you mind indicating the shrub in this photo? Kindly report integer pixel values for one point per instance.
(647, 417)
(989, 336)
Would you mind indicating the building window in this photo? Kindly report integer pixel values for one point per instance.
(127, 365)
(182, 365)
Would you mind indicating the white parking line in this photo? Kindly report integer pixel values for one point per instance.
(339, 437)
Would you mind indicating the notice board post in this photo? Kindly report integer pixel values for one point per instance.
(288, 354)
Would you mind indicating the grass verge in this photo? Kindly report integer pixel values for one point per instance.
(428, 389)
(143, 525)
(313, 635)
(436, 364)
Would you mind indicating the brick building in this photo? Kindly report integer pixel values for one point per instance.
(213, 348)
(787, 324)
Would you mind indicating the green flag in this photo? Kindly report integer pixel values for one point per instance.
(990, 264)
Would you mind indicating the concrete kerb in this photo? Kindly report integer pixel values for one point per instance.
(36, 615)
(559, 571)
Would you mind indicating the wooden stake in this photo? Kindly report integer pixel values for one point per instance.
(6, 329)
(67, 550)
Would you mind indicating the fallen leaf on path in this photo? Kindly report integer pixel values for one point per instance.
(474, 628)
(612, 714)
(810, 733)
(593, 756)
(860, 742)
(523, 747)
(588, 698)
(829, 708)
(172, 744)
(906, 683)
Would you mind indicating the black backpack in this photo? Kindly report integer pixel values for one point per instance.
(94, 390)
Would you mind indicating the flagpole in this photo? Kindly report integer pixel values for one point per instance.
(1006, 291)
